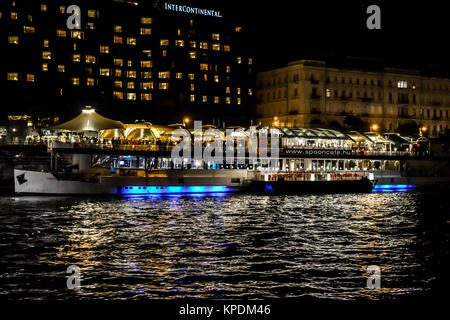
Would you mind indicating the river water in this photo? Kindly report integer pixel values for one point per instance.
(231, 246)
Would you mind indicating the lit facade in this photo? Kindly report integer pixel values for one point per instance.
(133, 60)
(309, 93)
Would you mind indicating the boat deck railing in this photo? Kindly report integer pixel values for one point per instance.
(314, 176)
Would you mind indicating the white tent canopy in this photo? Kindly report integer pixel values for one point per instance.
(89, 120)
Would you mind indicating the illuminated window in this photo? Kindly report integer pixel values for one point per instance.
(146, 64)
(228, 69)
(215, 36)
(226, 48)
(118, 84)
(74, 47)
(250, 61)
(239, 101)
(328, 93)
(147, 53)
(216, 78)
(90, 82)
(146, 85)
(179, 32)
(215, 46)
(145, 31)
(238, 29)
(216, 99)
(250, 92)
(61, 68)
(13, 39)
(13, 76)
(130, 63)
(76, 57)
(105, 72)
(238, 90)
(92, 13)
(13, 15)
(146, 96)
(118, 72)
(227, 90)
(90, 59)
(61, 33)
(164, 74)
(45, 67)
(131, 96)
(60, 91)
(204, 99)
(192, 44)
(30, 77)
(192, 54)
(239, 60)
(192, 98)
(164, 53)
(30, 18)
(203, 67)
(131, 74)
(191, 76)
(118, 62)
(179, 75)
(205, 77)
(402, 84)
(76, 81)
(204, 45)
(1, 15)
(130, 85)
(43, 7)
(45, 43)
(118, 39)
(47, 55)
(28, 29)
(146, 75)
(179, 43)
(163, 86)
(118, 29)
(118, 95)
(227, 100)
(62, 9)
(164, 42)
(146, 20)
(192, 87)
(104, 49)
(131, 41)
(77, 34)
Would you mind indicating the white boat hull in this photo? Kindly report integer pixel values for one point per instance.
(177, 181)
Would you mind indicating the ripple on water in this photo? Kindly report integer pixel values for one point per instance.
(220, 246)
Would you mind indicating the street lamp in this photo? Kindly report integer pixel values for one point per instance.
(185, 121)
(275, 122)
(422, 130)
(374, 127)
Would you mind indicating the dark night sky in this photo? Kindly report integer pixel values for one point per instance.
(414, 34)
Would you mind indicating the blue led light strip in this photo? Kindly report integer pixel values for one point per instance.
(393, 187)
(173, 189)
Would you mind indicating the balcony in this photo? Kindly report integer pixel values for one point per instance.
(315, 111)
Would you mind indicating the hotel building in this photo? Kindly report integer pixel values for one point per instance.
(131, 60)
(309, 93)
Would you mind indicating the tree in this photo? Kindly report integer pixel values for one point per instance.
(410, 128)
(353, 123)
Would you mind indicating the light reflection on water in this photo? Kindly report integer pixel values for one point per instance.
(222, 245)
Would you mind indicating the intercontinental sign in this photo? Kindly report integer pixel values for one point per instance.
(188, 9)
